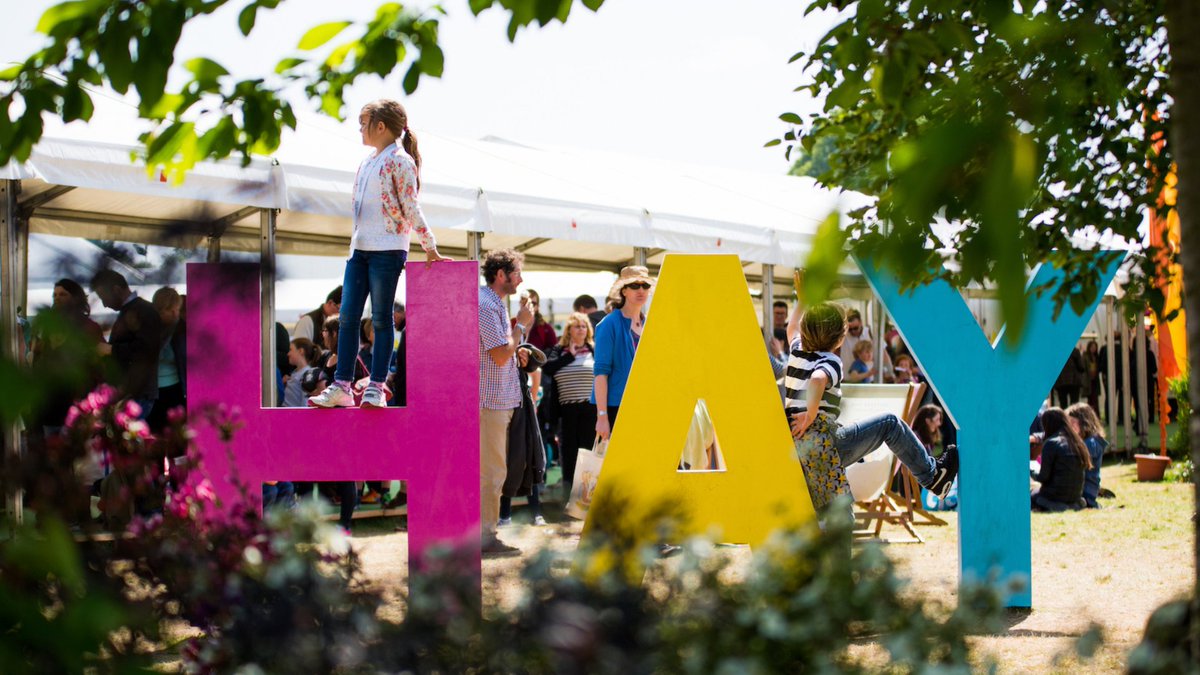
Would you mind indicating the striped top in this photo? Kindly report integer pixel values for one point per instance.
(574, 380)
(801, 365)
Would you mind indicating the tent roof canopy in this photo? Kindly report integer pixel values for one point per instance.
(567, 209)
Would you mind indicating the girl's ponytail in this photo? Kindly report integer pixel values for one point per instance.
(395, 118)
(409, 143)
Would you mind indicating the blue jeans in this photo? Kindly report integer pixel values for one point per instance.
(146, 404)
(855, 441)
(282, 493)
(375, 273)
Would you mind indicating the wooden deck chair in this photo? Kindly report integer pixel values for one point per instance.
(870, 479)
(909, 493)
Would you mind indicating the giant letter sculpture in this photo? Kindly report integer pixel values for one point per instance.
(992, 393)
(433, 443)
(702, 341)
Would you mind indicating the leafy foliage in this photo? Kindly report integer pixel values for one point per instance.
(1021, 124)
(285, 594)
(132, 46)
(1179, 444)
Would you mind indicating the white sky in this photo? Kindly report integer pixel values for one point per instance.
(693, 80)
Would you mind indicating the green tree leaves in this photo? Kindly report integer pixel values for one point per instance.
(1019, 125)
(211, 116)
(319, 35)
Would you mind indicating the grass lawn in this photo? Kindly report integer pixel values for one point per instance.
(1111, 567)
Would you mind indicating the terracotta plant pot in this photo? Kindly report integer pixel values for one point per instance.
(1151, 468)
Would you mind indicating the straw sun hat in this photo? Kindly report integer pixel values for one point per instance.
(630, 275)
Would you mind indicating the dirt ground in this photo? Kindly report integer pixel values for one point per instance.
(1112, 567)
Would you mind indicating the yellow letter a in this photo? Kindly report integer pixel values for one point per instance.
(702, 342)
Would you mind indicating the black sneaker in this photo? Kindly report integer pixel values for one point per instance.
(944, 472)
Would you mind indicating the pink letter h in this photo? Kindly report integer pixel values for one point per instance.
(432, 443)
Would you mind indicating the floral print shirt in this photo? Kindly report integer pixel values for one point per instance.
(386, 211)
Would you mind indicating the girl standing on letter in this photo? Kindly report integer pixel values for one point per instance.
(386, 213)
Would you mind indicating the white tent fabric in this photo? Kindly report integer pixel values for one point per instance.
(567, 208)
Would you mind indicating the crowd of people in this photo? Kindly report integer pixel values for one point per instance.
(544, 396)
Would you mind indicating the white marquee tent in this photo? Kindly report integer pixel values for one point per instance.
(566, 209)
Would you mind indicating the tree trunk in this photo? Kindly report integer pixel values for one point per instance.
(1183, 25)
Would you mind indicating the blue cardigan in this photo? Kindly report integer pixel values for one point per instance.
(614, 355)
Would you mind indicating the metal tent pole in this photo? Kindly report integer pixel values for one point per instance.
(768, 300)
(214, 248)
(1125, 397)
(639, 255)
(10, 341)
(1142, 398)
(266, 222)
(1110, 371)
(474, 245)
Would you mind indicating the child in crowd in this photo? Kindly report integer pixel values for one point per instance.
(1086, 423)
(303, 356)
(862, 370)
(906, 370)
(386, 213)
(813, 381)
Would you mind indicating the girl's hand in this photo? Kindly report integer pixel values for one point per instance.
(433, 256)
(799, 424)
(602, 428)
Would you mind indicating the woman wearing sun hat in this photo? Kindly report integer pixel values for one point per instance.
(617, 338)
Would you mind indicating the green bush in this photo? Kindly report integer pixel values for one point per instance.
(1179, 446)
(285, 594)
(1180, 471)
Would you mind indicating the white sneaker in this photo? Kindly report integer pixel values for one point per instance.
(539, 521)
(373, 397)
(333, 397)
(504, 522)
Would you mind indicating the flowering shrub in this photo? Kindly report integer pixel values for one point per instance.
(284, 593)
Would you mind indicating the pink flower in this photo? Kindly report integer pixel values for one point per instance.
(132, 409)
(204, 491)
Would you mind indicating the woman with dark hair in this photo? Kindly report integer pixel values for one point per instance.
(542, 334)
(928, 427)
(65, 343)
(1086, 423)
(1064, 461)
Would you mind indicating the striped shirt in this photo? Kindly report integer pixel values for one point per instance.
(574, 380)
(800, 368)
(499, 388)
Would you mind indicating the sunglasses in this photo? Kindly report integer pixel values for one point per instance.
(639, 286)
